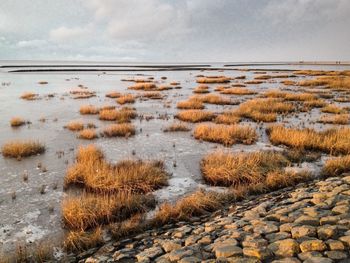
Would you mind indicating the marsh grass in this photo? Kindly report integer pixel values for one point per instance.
(119, 130)
(238, 91)
(341, 119)
(75, 125)
(80, 240)
(225, 134)
(94, 173)
(122, 115)
(334, 141)
(213, 99)
(17, 122)
(88, 110)
(87, 134)
(332, 108)
(213, 79)
(263, 109)
(128, 98)
(227, 117)
(135, 224)
(144, 86)
(113, 94)
(190, 104)
(18, 149)
(336, 166)
(201, 89)
(29, 96)
(195, 115)
(177, 127)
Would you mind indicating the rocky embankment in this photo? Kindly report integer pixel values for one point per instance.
(309, 223)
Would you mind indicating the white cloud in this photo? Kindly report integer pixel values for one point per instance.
(68, 34)
(34, 43)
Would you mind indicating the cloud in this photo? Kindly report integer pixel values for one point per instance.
(34, 43)
(64, 34)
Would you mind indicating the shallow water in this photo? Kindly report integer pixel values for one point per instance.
(32, 216)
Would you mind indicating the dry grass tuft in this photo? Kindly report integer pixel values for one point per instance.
(88, 109)
(334, 141)
(144, 86)
(128, 98)
(336, 166)
(87, 134)
(254, 82)
(128, 227)
(154, 95)
(125, 114)
(93, 172)
(317, 103)
(331, 108)
(201, 89)
(175, 127)
(263, 109)
(213, 99)
(213, 79)
(82, 93)
(228, 169)
(17, 121)
(195, 115)
(80, 240)
(190, 104)
(119, 130)
(195, 204)
(225, 134)
(75, 126)
(19, 149)
(228, 117)
(238, 91)
(29, 96)
(342, 119)
(113, 94)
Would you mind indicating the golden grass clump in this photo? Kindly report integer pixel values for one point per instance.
(288, 82)
(175, 127)
(263, 109)
(238, 91)
(124, 114)
(75, 126)
(87, 134)
(113, 94)
(334, 141)
(128, 98)
(342, 119)
(19, 149)
(94, 173)
(317, 103)
(336, 166)
(201, 89)
(332, 108)
(82, 93)
(213, 79)
(17, 121)
(254, 82)
(190, 104)
(119, 130)
(213, 99)
(264, 76)
(133, 225)
(88, 109)
(144, 86)
(195, 115)
(225, 134)
(92, 210)
(154, 95)
(300, 97)
(196, 204)
(236, 169)
(338, 83)
(228, 117)
(29, 96)
(80, 240)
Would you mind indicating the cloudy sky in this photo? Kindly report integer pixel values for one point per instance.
(175, 30)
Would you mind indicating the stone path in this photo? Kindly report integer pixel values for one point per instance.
(310, 223)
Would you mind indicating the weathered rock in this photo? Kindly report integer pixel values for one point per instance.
(149, 253)
(311, 254)
(170, 245)
(336, 255)
(327, 232)
(307, 220)
(260, 253)
(313, 245)
(285, 248)
(335, 245)
(227, 250)
(255, 243)
(190, 260)
(178, 254)
(287, 260)
(345, 240)
(318, 260)
(302, 231)
(341, 209)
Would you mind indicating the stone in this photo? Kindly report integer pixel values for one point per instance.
(238, 260)
(336, 255)
(302, 231)
(260, 253)
(305, 255)
(178, 254)
(190, 260)
(327, 232)
(170, 245)
(265, 228)
(307, 220)
(329, 220)
(318, 260)
(204, 240)
(149, 253)
(313, 245)
(335, 245)
(341, 209)
(227, 250)
(287, 227)
(286, 260)
(345, 240)
(285, 248)
(255, 243)
(277, 236)
(192, 240)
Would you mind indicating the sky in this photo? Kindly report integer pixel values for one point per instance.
(175, 30)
